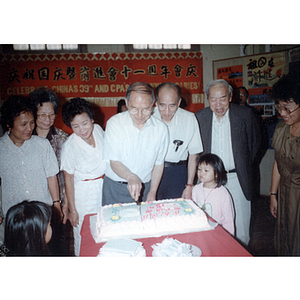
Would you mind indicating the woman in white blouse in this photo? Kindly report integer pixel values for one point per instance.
(82, 164)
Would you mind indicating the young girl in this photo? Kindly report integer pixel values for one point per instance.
(27, 229)
(210, 194)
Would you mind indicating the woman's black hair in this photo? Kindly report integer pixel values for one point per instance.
(74, 107)
(217, 164)
(12, 108)
(25, 228)
(287, 88)
(121, 103)
(43, 95)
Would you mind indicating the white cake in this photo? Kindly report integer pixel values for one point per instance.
(157, 218)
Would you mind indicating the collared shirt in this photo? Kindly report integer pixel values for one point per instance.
(24, 170)
(81, 159)
(221, 140)
(138, 150)
(183, 127)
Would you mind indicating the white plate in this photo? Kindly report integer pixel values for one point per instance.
(195, 250)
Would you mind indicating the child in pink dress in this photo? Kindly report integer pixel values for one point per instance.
(210, 194)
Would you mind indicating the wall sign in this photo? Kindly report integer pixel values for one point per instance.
(233, 75)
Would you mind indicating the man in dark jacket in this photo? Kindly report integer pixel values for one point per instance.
(232, 132)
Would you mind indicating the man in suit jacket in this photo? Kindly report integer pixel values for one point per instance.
(232, 132)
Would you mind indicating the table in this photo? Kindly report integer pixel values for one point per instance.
(217, 242)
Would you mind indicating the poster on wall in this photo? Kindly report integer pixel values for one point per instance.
(102, 78)
(233, 75)
(262, 72)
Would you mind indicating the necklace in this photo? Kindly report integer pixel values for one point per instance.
(290, 135)
(91, 142)
(206, 206)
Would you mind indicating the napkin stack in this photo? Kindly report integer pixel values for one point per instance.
(122, 248)
(171, 247)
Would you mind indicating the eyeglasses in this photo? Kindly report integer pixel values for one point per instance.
(281, 108)
(145, 111)
(45, 116)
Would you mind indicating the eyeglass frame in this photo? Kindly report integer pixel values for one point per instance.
(145, 111)
(50, 116)
(280, 108)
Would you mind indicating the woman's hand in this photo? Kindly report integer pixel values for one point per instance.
(273, 206)
(65, 210)
(74, 218)
(57, 214)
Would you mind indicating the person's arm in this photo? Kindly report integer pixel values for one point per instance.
(70, 193)
(227, 212)
(65, 210)
(155, 180)
(187, 192)
(54, 192)
(274, 189)
(1, 217)
(134, 182)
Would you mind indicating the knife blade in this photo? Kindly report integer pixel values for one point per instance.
(140, 208)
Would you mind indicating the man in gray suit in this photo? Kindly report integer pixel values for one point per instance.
(232, 132)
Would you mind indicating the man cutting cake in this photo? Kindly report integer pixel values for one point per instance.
(135, 147)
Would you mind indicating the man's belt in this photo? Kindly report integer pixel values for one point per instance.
(231, 171)
(171, 164)
(101, 177)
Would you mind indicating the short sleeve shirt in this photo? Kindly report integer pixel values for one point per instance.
(24, 170)
(183, 127)
(138, 150)
(81, 159)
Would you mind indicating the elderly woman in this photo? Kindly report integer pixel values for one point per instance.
(46, 105)
(285, 187)
(82, 164)
(28, 165)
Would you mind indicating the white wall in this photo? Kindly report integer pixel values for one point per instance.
(215, 52)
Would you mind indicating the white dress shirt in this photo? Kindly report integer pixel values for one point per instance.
(138, 150)
(183, 127)
(221, 140)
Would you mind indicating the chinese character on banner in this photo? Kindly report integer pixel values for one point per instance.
(263, 71)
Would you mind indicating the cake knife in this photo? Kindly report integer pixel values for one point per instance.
(140, 208)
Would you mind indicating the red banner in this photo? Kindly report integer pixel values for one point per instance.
(102, 78)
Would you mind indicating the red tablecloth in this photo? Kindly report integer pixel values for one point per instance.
(215, 242)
